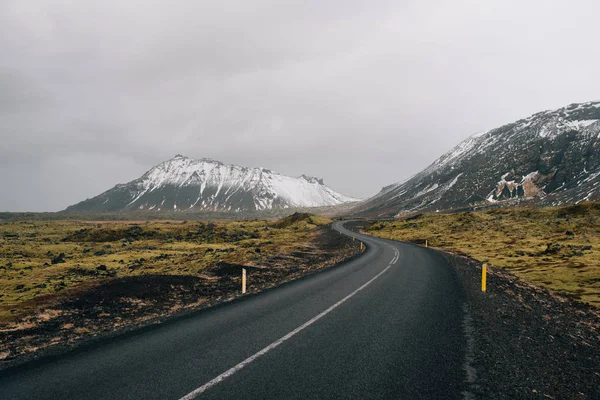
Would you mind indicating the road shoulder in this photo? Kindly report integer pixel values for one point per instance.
(528, 342)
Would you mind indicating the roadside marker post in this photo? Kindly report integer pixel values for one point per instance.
(484, 277)
(243, 280)
(362, 247)
(426, 243)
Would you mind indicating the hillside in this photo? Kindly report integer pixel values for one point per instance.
(551, 158)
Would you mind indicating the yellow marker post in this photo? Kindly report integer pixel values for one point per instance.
(484, 277)
(426, 243)
(243, 280)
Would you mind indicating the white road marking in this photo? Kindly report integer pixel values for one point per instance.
(396, 255)
(396, 252)
(231, 371)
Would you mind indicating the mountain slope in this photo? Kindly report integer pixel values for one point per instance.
(183, 184)
(552, 157)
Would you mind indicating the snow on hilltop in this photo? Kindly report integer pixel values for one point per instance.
(551, 157)
(183, 183)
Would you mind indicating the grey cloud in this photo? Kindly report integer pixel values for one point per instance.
(361, 93)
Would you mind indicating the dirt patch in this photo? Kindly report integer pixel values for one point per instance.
(529, 342)
(122, 304)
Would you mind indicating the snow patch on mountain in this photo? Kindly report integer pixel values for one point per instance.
(183, 183)
(551, 157)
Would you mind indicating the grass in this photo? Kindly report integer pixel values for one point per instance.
(558, 248)
(44, 261)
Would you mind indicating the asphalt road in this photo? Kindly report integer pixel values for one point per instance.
(387, 325)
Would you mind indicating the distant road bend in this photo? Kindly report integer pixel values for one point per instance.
(387, 325)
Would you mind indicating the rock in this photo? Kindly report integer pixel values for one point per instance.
(552, 248)
(58, 259)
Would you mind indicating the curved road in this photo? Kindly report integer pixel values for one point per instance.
(387, 325)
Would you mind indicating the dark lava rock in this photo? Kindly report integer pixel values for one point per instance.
(528, 342)
(58, 259)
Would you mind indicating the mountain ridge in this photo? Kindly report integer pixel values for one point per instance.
(551, 157)
(185, 184)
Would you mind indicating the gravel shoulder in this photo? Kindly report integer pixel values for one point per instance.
(528, 342)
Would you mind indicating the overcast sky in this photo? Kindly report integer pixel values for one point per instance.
(360, 93)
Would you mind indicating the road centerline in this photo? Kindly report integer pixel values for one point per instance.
(197, 392)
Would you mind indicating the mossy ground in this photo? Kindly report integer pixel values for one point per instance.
(43, 262)
(558, 248)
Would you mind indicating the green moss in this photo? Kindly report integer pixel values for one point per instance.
(558, 248)
(29, 280)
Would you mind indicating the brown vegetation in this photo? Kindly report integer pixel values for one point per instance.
(64, 280)
(558, 248)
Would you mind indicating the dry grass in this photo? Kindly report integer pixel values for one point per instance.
(42, 261)
(558, 248)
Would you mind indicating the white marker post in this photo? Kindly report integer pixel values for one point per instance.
(243, 280)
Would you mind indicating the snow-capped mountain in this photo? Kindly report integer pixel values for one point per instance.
(552, 157)
(183, 184)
